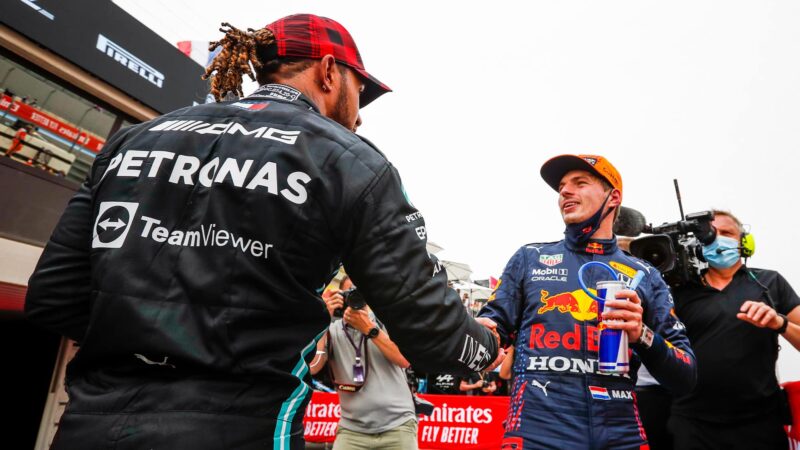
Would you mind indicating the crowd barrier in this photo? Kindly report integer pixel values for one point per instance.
(468, 423)
(458, 421)
(793, 430)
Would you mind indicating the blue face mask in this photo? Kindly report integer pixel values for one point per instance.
(722, 253)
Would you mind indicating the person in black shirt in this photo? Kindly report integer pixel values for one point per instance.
(733, 317)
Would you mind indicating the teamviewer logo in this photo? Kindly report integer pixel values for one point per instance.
(112, 224)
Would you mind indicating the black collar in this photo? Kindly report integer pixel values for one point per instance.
(595, 246)
(275, 91)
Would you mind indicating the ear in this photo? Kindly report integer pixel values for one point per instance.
(328, 72)
(615, 199)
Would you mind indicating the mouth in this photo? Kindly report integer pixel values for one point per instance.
(569, 205)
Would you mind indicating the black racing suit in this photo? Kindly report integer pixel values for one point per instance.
(189, 265)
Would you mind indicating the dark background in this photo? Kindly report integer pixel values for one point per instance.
(73, 35)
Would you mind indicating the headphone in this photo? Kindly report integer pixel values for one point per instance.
(747, 244)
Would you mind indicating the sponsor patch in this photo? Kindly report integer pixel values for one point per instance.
(280, 91)
(549, 274)
(629, 271)
(474, 355)
(206, 236)
(551, 260)
(564, 364)
(112, 224)
(595, 248)
(268, 178)
(250, 106)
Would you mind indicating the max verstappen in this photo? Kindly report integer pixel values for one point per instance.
(559, 399)
(189, 264)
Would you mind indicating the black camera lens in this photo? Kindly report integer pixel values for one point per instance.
(354, 299)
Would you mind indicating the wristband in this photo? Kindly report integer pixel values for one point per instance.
(783, 327)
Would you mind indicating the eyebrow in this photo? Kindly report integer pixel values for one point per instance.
(575, 178)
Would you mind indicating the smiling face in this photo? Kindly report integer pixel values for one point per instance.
(580, 195)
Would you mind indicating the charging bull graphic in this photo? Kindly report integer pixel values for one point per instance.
(576, 303)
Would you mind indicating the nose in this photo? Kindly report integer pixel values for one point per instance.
(358, 122)
(565, 190)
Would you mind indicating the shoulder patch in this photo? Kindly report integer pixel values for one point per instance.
(627, 270)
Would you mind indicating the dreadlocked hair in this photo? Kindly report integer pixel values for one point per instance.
(234, 60)
(240, 50)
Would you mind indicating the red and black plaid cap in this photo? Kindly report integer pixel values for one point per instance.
(310, 36)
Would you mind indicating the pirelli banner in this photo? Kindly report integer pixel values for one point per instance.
(104, 40)
(458, 421)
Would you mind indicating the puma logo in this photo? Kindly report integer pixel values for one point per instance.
(539, 385)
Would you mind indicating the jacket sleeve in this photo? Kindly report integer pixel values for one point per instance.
(505, 304)
(670, 359)
(59, 290)
(406, 287)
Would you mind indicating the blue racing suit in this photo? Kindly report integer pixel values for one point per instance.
(558, 398)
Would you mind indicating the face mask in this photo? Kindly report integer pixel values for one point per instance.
(577, 235)
(722, 253)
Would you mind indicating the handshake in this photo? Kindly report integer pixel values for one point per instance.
(501, 353)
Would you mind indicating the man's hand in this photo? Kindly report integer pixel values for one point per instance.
(760, 314)
(491, 325)
(627, 314)
(333, 300)
(358, 319)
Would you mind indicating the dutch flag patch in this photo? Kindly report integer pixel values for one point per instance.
(599, 393)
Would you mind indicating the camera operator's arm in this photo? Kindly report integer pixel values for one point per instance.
(762, 315)
(669, 358)
(786, 308)
(385, 254)
(792, 333)
(321, 357)
(360, 320)
(466, 386)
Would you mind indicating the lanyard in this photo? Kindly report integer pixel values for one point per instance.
(360, 370)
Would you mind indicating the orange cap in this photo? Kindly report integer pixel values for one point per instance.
(555, 168)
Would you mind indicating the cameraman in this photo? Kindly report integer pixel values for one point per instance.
(733, 316)
(367, 369)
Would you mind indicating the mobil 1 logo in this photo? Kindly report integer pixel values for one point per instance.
(112, 224)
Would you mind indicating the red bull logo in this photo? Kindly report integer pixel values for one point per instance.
(680, 354)
(595, 247)
(579, 305)
(571, 340)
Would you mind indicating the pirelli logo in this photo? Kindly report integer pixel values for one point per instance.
(127, 59)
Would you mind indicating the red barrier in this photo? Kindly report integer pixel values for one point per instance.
(458, 422)
(50, 123)
(793, 430)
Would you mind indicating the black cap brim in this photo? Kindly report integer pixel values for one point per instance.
(555, 168)
(373, 88)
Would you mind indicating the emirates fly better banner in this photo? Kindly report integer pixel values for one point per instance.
(458, 422)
